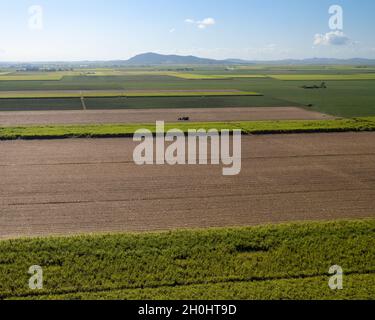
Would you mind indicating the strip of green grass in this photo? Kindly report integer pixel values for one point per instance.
(268, 262)
(125, 130)
(338, 125)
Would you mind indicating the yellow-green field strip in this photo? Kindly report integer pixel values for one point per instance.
(41, 76)
(182, 75)
(190, 76)
(56, 76)
(31, 78)
(127, 130)
(125, 94)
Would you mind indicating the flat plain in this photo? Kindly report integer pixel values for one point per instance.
(109, 212)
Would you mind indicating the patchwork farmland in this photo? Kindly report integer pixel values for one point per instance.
(85, 200)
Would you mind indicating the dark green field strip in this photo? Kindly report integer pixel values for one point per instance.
(274, 262)
(127, 130)
(43, 104)
(54, 104)
(341, 98)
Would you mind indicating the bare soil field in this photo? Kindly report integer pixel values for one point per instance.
(77, 186)
(150, 116)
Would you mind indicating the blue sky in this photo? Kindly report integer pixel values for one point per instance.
(247, 29)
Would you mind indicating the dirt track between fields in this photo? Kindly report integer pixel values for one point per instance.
(82, 186)
(150, 116)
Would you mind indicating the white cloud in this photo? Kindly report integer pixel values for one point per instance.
(206, 22)
(333, 38)
(202, 24)
(172, 30)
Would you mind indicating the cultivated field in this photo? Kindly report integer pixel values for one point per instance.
(274, 262)
(139, 103)
(350, 90)
(150, 116)
(78, 186)
(308, 156)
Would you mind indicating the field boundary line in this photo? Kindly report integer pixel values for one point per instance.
(83, 102)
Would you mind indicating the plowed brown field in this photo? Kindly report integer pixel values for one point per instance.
(150, 116)
(79, 186)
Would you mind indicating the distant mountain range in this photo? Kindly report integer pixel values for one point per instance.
(155, 59)
(160, 59)
(321, 61)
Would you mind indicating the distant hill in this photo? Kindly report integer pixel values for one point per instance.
(238, 61)
(318, 62)
(160, 59)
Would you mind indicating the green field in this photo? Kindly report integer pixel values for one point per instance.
(127, 130)
(40, 104)
(180, 102)
(271, 262)
(104, 103)
(350, 90)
